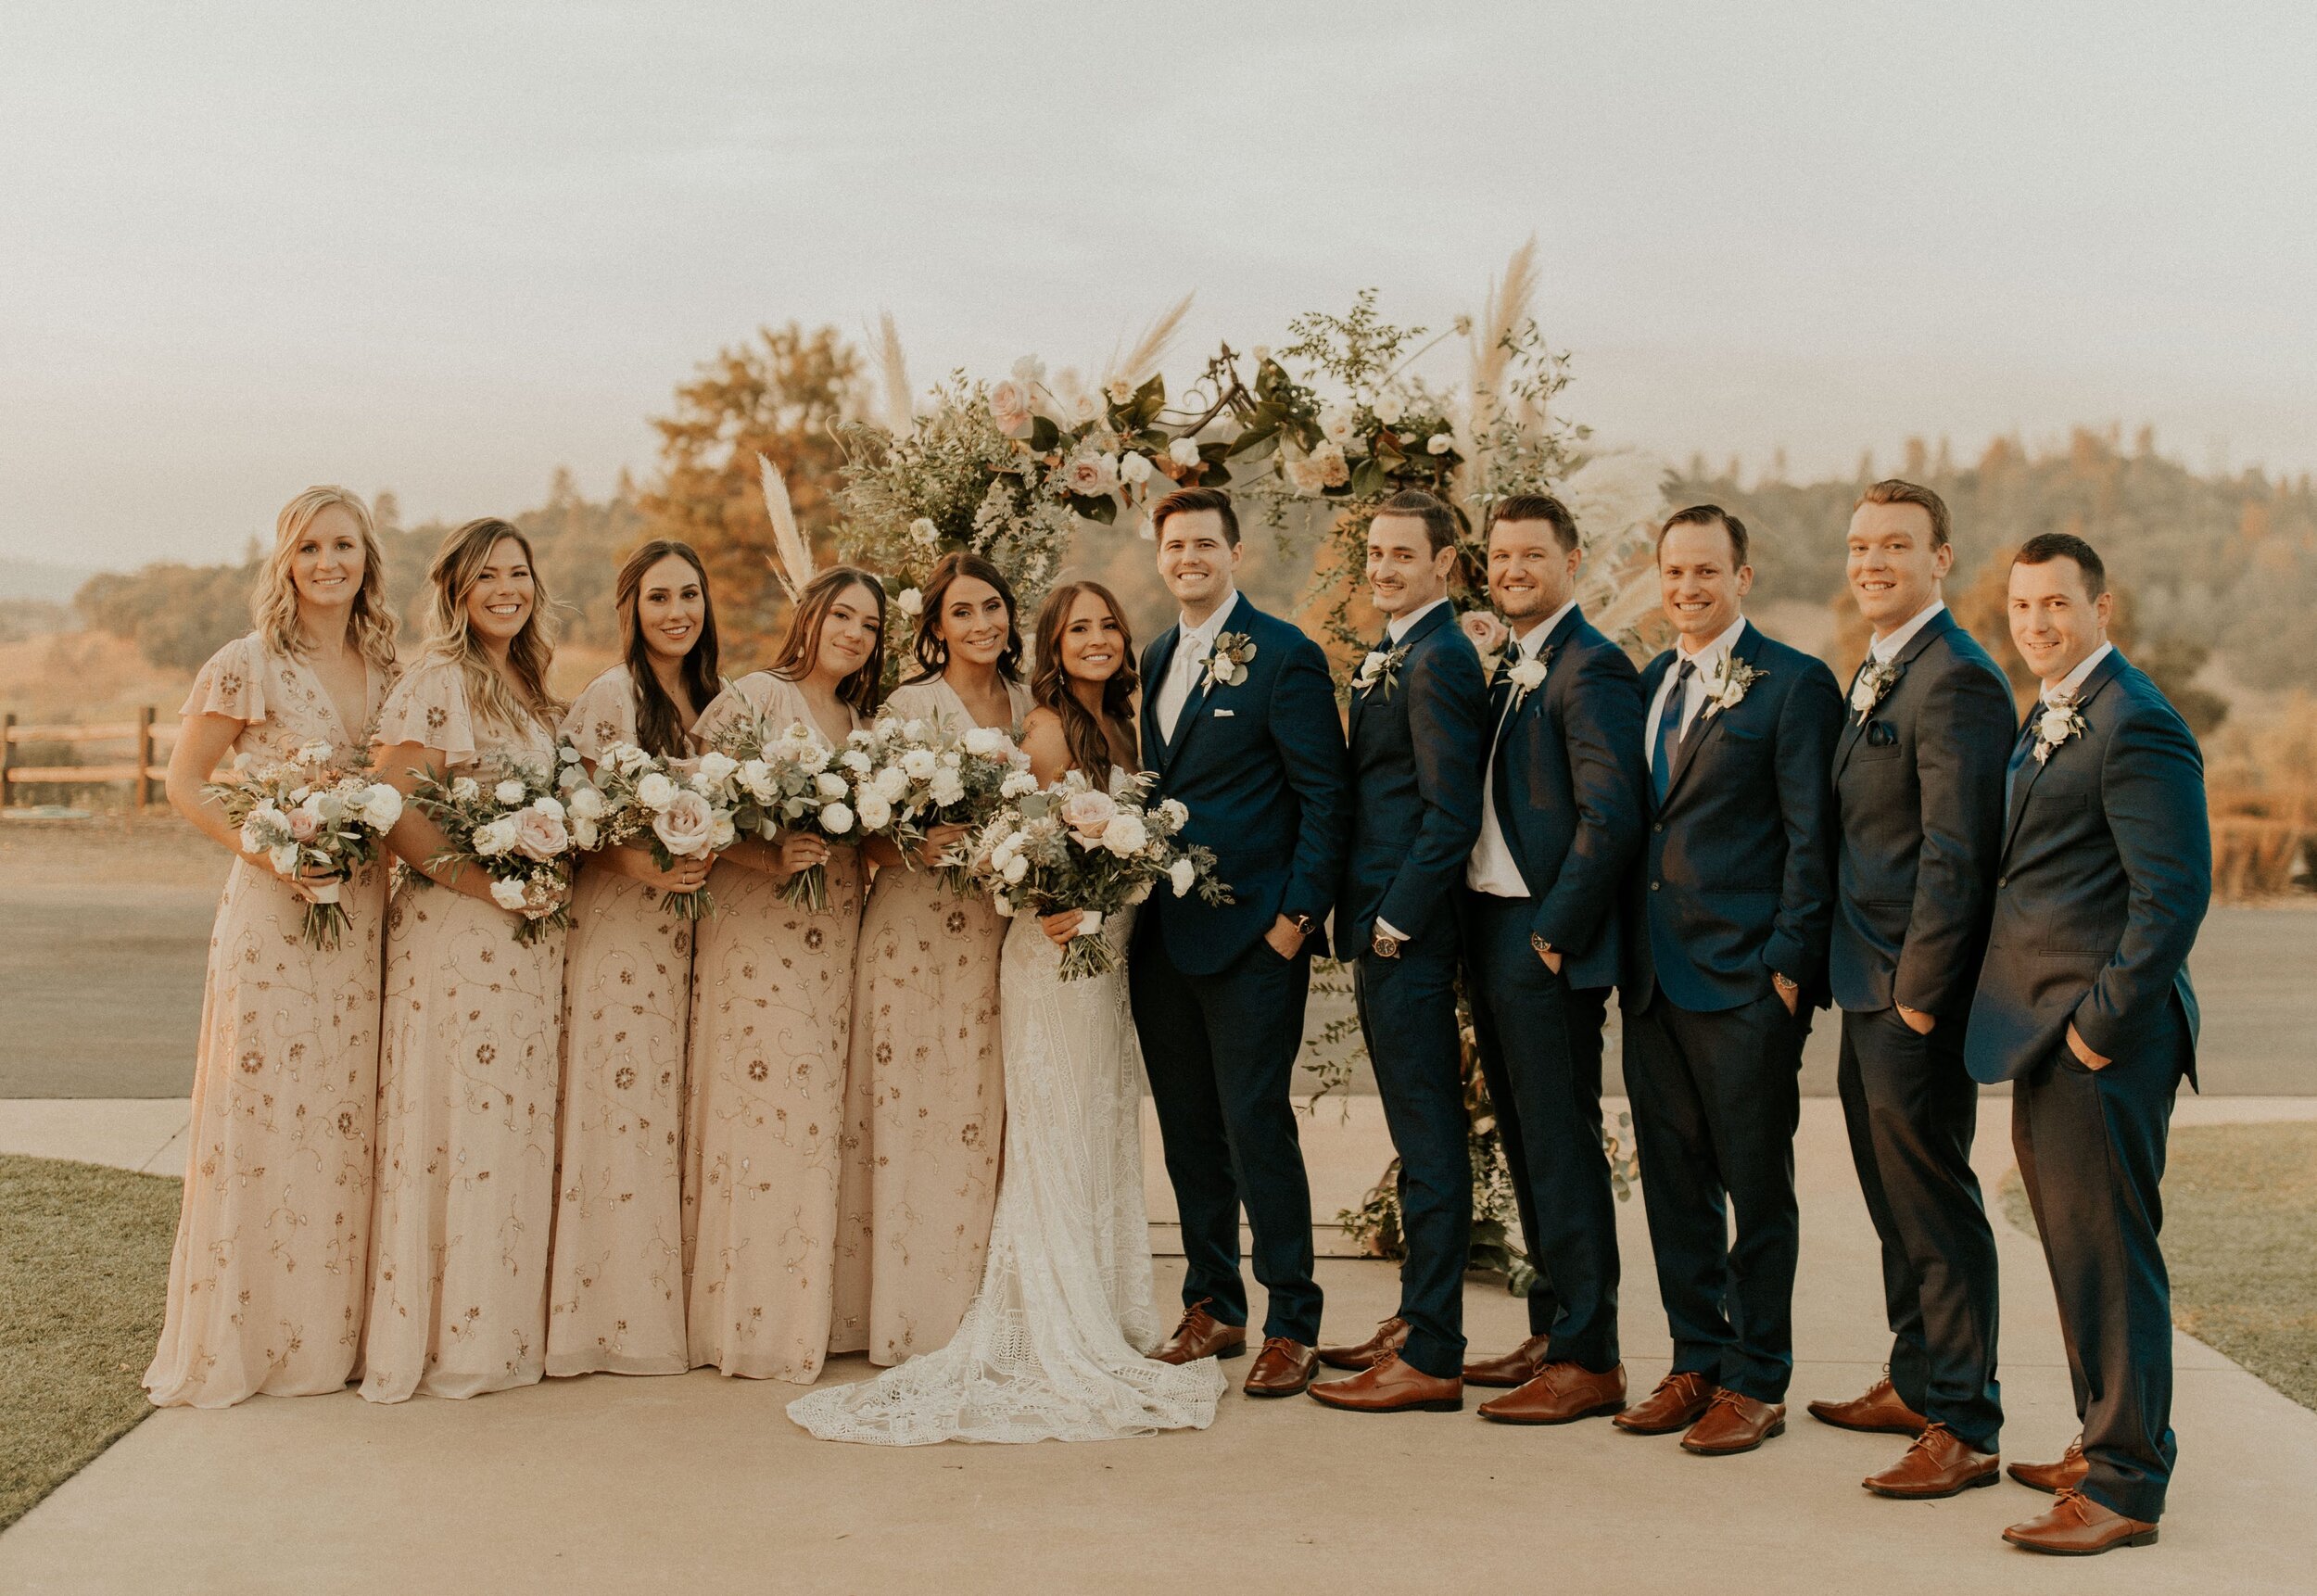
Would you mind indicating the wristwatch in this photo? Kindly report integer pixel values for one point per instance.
(1383, 946)
(1783, 984)
(1539, 943)
(1305, 925)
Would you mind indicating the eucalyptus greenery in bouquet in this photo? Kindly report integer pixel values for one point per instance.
(786, 780)
(675, 809)
(1075, 847)
(311, 809)
(521, 827)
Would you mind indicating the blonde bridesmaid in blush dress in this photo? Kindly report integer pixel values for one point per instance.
(772, 1119)
(267, 1277)
(925, 1020)
(616, 1279)
(468, 1066)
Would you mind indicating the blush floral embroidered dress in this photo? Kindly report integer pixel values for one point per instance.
(925, 1037)
(616, 1291)
(779, 1272)
(267, 1276)
(466, 1106)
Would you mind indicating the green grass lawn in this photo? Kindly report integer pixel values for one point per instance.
(83, 1269)
(2240, 1239)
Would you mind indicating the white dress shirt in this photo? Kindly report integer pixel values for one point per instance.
(1885, 649)
(1710, 659)
(1192, 649)
(1395, 629)
(2064, 691)
(1492, 868)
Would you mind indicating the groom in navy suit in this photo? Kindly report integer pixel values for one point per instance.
(2083, 1005)
(1239, 723)
(1419, 746)
(1726, 948)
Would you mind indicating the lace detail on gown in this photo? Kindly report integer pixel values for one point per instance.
(1052, 1348)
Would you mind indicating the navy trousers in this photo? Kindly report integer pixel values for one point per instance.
(1220, 1052)
(1912, 1109)
(2091, 1151)
(1715, 1102)
(1540, 1047)
(1408, 1017)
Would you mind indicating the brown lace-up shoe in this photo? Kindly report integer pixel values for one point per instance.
(1391, 1385)
(2078, 1526)
(1880, 1411)
(1938, 1464)
(1390, 1337)
(1281, 1368)
(1676, 1404)
(2055, 1478)
(1518, 1367)
(1201, 1335)
(1562, 1394)
(1733, 1422)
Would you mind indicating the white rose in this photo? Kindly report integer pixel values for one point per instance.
(1118, 390)
(587, 804)
(1009, 408)
(2053, 725)
(722, 834)
(836, 820)
(1014, 869)
(382, 807)
(1180, 875)
(1003, 904)
(1134, 468)
(1090, 475)
(508, 895)
(1125, 836)
(1175, 810)
(876, 813)
(1388, 408)
(911, 602)
(632, 759)
(1526, 675)
(919, 764)
(584, 835)
(509, 791)
(494, 839)
(465, 789)
(1020, 784)
(829, 787)
(1438, 443)
(757, 777)
(853, 759)
(984, 741)
(923, 533)
(1184, 451)
(892, 784)
(948, 788)
(283, 857)
(813, 759)
(716, 768)
(1336, 424)
(549, 806)
(655, 791)
(1307, 475)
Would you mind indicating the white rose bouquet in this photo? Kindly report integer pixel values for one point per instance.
(928, 773)
(675, 809)
(518, 826)
(1075, 847)
(788, 781)
(310, 810)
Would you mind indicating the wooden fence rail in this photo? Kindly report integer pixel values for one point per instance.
(141, 765)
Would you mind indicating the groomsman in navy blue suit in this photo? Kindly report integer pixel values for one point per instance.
(2083, 1005)
(1561, 814)
(1919, 794)
(1419, 746)
(1726, 946)
(1239, 722)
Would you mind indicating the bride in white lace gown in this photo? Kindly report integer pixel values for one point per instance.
(1052, 1348)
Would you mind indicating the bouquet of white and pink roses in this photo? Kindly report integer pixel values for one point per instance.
(310, 810)
(926, 773)
(676, 809)
(522, 828)
(786, 780)
(1075, 847)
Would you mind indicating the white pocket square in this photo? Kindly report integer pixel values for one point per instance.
(1225, 714)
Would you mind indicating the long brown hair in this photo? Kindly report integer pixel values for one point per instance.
(451, 578)
(273, 603)
(1082, 733)
(932, 651)
(659, 728)
(800, 650)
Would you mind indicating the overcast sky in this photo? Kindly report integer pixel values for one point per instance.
(446, 249)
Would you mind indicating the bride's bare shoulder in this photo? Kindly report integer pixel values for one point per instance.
(1042, 740)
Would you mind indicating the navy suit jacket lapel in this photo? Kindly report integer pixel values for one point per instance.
(1503, 724)
(1854, 724)
(2101, 675)
(1194, 700)
(1702, 728)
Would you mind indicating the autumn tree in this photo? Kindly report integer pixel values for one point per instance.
(781, 395)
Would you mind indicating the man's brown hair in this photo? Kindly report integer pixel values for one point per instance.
(1539, 507)
(1183, 501)
(2045, 547)
(1706, 515)
(1896, 490)
(1440, 521)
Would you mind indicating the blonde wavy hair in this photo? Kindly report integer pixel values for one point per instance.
(274, 602)
(451, 576)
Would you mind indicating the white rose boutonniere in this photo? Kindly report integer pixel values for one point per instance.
(1727, 687)
(1877, 679)
(2056, 724)
(1227, 661)
(1381, 665)
(1527, 675)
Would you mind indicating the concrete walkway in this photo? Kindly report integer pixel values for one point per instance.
(631, 1484)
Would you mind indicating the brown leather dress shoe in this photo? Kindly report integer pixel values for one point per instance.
(1562, 1394)
(1201, 1335)
(1880, 1411)
(1733, 1424)
(2055, 1478)
(1674, 1405)
(1518, 1367)
(1392, 1385)
(2078, 1526)
(1390, 1337)
(1281, 1368)
(1938, 1464)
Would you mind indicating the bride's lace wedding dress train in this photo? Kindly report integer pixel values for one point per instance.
(1052, 1348)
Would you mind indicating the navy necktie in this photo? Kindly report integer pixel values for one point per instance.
(2019, 753)
(1669, 732)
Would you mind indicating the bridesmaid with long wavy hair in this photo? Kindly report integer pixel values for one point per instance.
(771, 1121)
(616, 1291)
(468, 1068)
(925, 999)
(267, 1277)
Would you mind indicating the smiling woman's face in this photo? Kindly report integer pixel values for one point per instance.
(500, 601)
(670, 604)
(1094, 644)
(848, 636)
(972, 624)
(327, 565)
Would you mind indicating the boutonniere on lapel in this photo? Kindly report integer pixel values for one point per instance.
(1727, 690)
(2056, 724)
(1527, 675)
(1381, 665)
(1877, 679)
(1489, 636)
(1226, 665)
